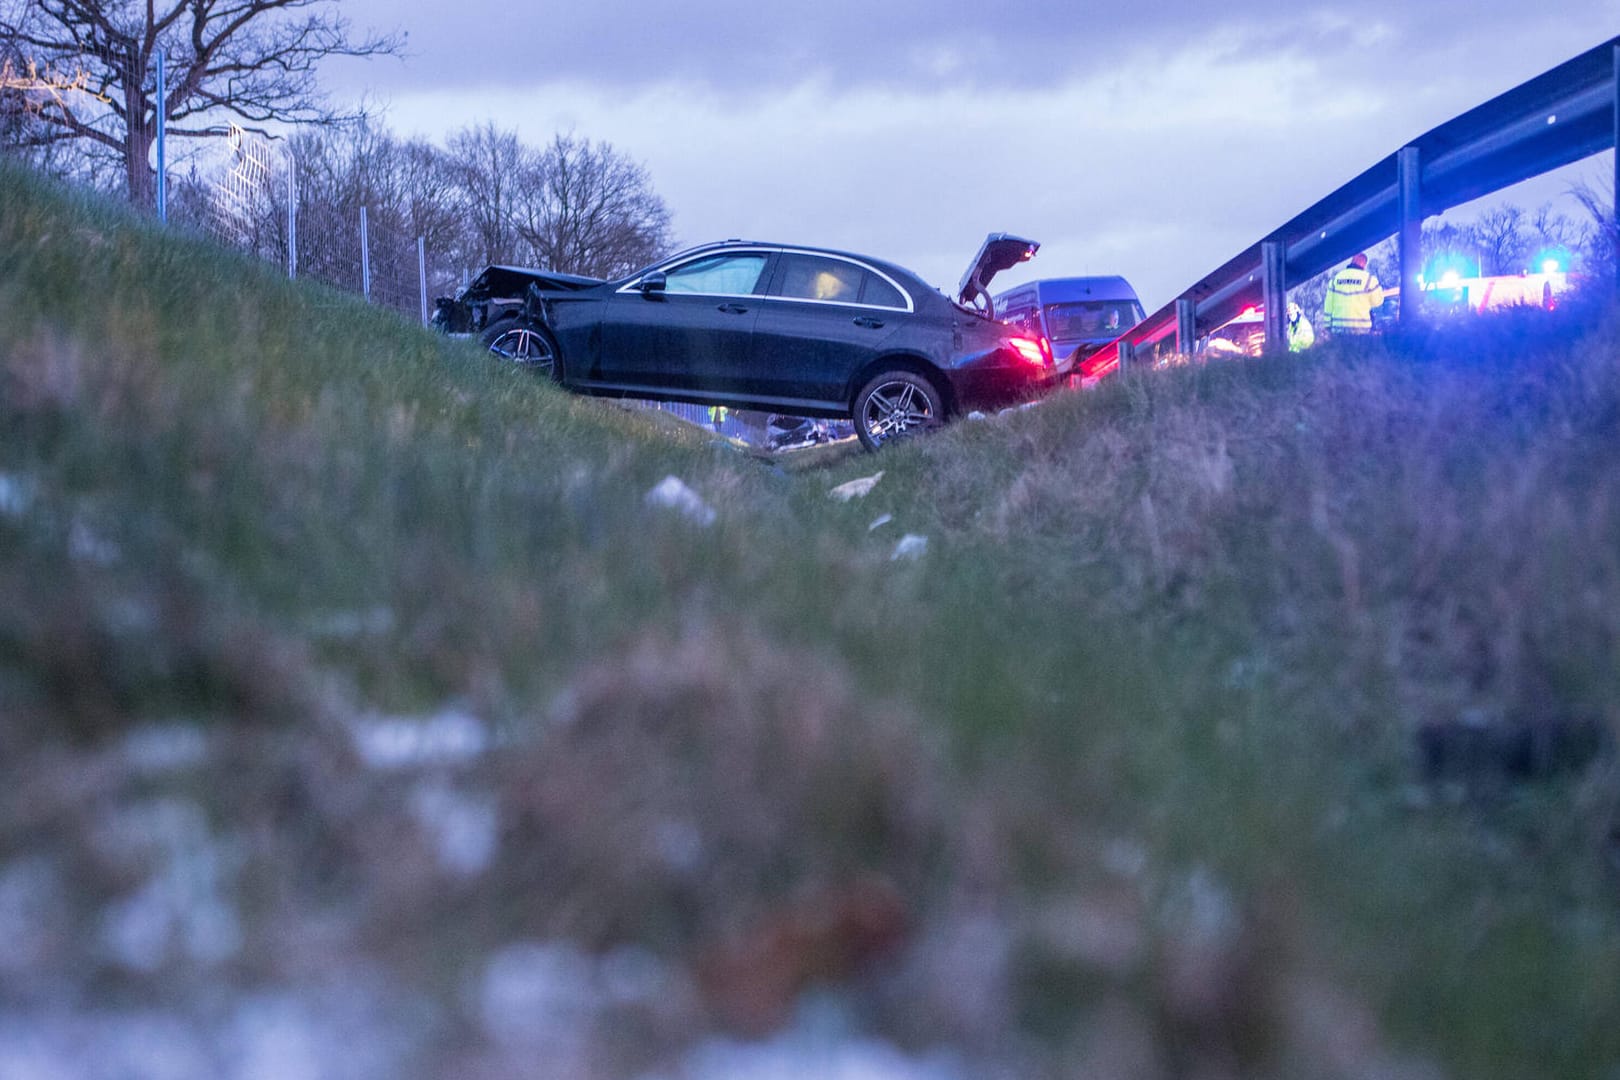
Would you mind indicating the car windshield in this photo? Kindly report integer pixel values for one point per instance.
(1090, 318)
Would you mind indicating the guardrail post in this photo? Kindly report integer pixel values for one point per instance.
(1126, 355)
(1274, 292)
(1186, 327)
(1409, 182)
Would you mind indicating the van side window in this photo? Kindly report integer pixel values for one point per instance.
(1021, 319)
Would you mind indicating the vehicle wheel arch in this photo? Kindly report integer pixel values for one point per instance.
(911, 362)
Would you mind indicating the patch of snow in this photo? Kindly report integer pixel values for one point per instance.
(1125, 858)
(542, 998)
(632, 975)
(86, 545)
(679, 845)
(1204, 907)
(819, 1045)
(29, 893)
(451, 737)
(670, 493)
(856, 489)
(348, 625)
(181, 910)
(155, 749)
(16, 495)
(911, 546)
(463, 828)
(350, 1031)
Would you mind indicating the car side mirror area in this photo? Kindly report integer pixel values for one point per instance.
(653, 284)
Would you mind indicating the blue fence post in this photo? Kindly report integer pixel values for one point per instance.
(1409, 183)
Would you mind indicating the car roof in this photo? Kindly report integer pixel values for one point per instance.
(809, 249)
(1057, 290)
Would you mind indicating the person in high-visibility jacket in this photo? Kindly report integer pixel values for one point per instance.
(1300, 334)
(1351, 297)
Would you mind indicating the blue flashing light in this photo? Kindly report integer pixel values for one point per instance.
(1553, 260)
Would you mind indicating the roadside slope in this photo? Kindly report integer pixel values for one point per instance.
(356, 701)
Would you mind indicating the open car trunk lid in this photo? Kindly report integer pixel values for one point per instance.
(1000, 251)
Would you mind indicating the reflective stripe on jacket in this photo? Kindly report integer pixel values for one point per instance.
(1350, 299)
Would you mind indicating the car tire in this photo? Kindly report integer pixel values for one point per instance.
(896, 404)
(526, 345)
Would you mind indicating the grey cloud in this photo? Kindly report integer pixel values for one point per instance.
(743, 48)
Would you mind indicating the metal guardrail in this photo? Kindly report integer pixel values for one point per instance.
(1562, 116)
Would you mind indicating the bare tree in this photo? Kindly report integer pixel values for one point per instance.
(585, 208)
(251, 61)
(1554, 229)
(1603, 236)
(1503, 239)
(489, 166)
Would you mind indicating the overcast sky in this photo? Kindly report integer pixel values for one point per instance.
(1154, 139)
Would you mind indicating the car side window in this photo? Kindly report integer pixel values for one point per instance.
(725, 273)
(879, 293)
(811, 277)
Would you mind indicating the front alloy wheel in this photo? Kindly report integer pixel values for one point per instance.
(525, 345)
(895, 404)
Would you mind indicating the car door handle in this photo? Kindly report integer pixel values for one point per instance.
(732, 309)
(868, 322)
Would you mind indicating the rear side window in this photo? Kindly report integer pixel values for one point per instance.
(879, 293)
(834, 281)
(726, 274)
(810, 277)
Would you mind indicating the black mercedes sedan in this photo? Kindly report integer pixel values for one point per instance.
(786, 329)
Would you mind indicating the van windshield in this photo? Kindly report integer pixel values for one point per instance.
(1091, 319)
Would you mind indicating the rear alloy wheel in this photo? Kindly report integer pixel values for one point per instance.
(527, 345)
(896, 404)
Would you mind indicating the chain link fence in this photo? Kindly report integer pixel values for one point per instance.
(251, 197)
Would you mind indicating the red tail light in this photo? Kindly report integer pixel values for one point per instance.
(1035, 350)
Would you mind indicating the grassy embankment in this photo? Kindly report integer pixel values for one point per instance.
(1119, 778)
